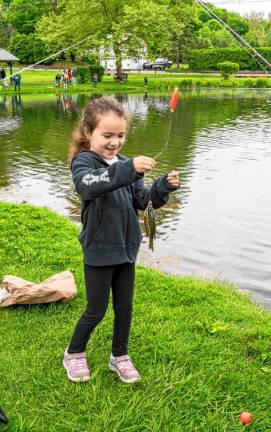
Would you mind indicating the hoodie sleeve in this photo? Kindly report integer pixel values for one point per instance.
(158, 194)
(91, 182)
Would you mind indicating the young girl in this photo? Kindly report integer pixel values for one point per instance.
(112, 189)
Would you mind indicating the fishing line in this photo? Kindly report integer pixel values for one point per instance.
(172, 106)
(53, 55)
(169, 128)
(240, 40)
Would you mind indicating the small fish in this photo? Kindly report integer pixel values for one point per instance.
(150, 224)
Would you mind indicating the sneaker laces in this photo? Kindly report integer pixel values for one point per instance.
(127, 366)
(78, 363)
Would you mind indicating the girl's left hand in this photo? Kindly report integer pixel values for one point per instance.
(173, 178)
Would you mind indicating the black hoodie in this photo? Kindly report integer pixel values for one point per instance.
(110, 198)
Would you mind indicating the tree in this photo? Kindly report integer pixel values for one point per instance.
(23, 14)
(28, 48)
(113, 23)
(212, 34)
(4, 27)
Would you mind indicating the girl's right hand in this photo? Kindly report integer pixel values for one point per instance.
(143, 164)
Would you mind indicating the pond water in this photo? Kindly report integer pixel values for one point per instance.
(218, 223)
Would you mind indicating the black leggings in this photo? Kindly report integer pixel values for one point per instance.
(98, 282)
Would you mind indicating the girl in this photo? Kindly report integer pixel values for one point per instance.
(112, 189)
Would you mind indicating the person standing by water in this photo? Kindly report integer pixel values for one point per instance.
(58, 80)
(2, 74)
(95, 79)
(17, 82)
(65, 78)
(3, 78)
(145, 81)
(112, 191)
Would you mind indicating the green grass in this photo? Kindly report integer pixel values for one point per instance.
(203, 350)
(41, 81)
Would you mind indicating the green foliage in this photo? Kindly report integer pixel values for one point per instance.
(261, 83)
(227, 68)
(91, 59)
(82, 75)
(23, 14)
(28, 48)
(98, 69)
(208, 59)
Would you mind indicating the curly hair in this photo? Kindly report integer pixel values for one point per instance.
(89, 121)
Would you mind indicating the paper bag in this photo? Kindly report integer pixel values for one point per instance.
(15, 290)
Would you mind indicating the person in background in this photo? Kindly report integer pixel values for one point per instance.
(74, 76)
(65, 78)
(69, 74)
(125, 77)
(94, 80)
(58, 80)
(2, 74)
(17, 82)
(145, 81)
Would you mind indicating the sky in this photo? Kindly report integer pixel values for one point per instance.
(244, 6)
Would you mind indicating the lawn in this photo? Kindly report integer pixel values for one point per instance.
(43, 81)
(202, 348)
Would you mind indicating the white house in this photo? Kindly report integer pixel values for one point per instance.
(107, 60)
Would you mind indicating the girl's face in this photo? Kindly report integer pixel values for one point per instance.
(108, 137)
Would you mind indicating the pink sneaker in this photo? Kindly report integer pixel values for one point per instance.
(125, 369)
(76, 366)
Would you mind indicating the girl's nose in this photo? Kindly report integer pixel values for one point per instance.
(115, 141)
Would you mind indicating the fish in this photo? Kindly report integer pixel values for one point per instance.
(150, 224)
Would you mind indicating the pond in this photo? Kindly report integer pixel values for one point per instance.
(218, 223)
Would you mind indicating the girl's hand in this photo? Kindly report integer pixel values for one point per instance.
(173, 178)
(143, 164)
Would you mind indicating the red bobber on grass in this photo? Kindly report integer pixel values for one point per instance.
(246, 418)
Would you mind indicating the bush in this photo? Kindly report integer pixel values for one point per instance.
(227, 68)
(90, 59)
(29, 48)
(98, 69)
(82, 75)
(208, 59)
(250, 83)
(261, 83)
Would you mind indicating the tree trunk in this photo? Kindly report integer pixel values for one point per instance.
(118, 60)
(177, 53)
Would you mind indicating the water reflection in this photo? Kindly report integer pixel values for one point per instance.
(216, 225)
(67, 102)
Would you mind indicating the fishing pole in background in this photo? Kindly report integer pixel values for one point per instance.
(3, 418)
(149, 213)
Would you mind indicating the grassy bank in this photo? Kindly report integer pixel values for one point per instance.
(40, 81)
(203, 350)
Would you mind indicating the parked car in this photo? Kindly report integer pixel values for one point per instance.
(158, 64)
(147, 65)
(161, 64)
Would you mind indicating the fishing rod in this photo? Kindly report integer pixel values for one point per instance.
(239, 39)
(54, 55)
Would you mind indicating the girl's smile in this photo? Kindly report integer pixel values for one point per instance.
(109, 135)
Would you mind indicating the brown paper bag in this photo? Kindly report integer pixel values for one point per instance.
(15, 290)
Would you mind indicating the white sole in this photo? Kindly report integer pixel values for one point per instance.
(80, 379)
(128, 381)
